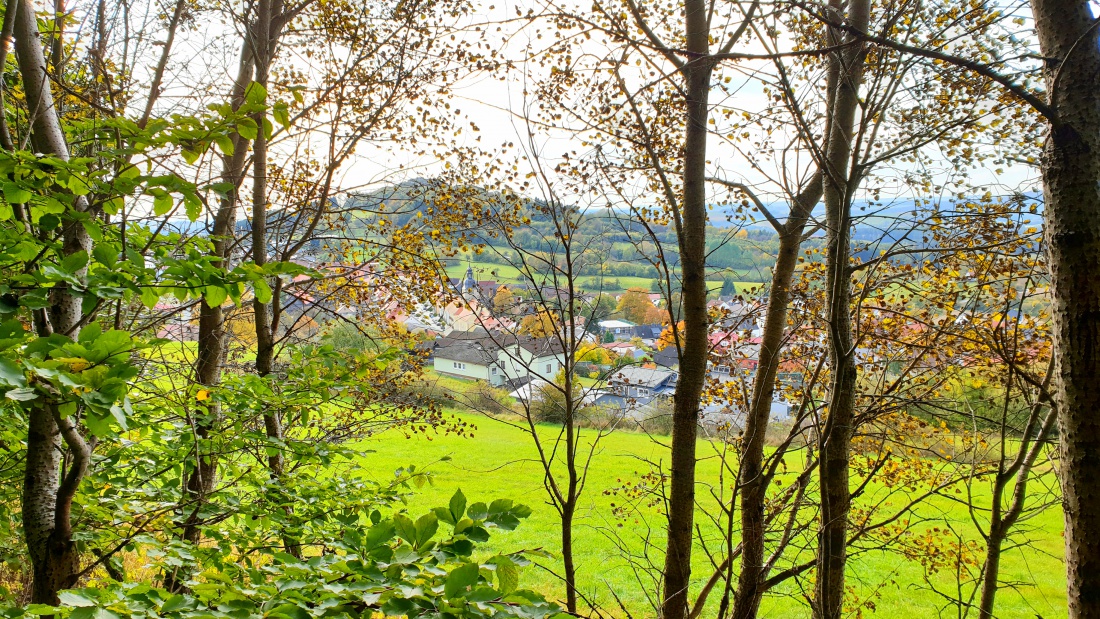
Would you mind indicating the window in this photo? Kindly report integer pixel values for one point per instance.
(493, 370)
(460, 366)
(642, 391)
(549, 367)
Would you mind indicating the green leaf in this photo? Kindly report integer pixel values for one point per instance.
(507, 574)
(93, 229)
(25, 250)
(74, 262)
(223, 188)
(190, 156)
(247, 128)
(162, 203)
(22, 394)
(52, 206)
(114, 205)
(225, 144)
(98, 425)
(90, 333)
(119, 416)
(458, 506)
(216, 295)
(15, 194)
(150, 297)
(11, 373)
(478, 511)
(174, 603)
(106, 255)
(281, 114)
(405, 528)
(444, 515)
(290, 611)
(67, 409)
(262, 291)
(192, 205)
(460, 579)
(426, 526)
(129, 173)
(256, 93)
(73, 598)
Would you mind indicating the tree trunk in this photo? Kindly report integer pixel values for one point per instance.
(40, 481)
(572, 403)
(990, 572)
(265, 340)
(836, 436)
(47, 499)
(753, 486)
(567, 513)
(211, 337)
(1068, 38)
(693, 356)
(1001, 520)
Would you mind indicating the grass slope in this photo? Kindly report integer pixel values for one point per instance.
(498, 461)
(508, 274)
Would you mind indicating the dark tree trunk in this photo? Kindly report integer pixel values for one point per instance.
(1068, 39)
(262, 312)
(836, 435)
(211, 338)
(47, 498)
(1002, 519)
(693, 355)
(753, 485)
(567, 513)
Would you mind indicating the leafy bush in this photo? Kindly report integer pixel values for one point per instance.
(396, 566)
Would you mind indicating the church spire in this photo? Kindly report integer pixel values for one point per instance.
(469, 283)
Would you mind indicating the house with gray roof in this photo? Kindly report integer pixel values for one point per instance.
(635, 381)
(498, 358)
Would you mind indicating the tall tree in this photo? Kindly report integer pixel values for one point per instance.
(838, 183)
(47, 498)
(1069, 40)
(210, 357)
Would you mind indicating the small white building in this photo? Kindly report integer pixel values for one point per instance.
(499, 358)
(621, 329)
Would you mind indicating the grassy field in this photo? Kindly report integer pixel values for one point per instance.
(508, 274)
(498, 462)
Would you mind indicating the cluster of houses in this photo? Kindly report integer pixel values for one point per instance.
(466, 337)
(487, 348)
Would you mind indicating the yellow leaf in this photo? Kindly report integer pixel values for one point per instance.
(203, 394)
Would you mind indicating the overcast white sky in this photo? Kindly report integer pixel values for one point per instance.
(495, 106)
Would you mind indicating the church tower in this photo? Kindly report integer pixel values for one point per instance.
(469, 284)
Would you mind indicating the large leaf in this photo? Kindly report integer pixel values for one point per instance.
(11, 373)
(507, 574)
(460, 579)
(458, 506)
(426, 526)
(15, 194)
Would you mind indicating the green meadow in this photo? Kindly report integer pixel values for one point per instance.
(508, 274)
(499, 461)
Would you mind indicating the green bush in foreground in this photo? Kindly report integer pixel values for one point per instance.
(396, 567)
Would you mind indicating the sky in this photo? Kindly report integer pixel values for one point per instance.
(495, 106)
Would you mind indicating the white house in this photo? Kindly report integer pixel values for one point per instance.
(498, 358)
(621, 329)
